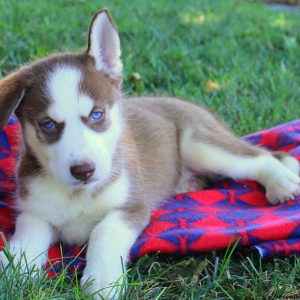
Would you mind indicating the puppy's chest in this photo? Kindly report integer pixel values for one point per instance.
(74, 214)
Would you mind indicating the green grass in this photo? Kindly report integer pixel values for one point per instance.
(177, 47)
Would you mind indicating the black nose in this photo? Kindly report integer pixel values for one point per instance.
(84, 171)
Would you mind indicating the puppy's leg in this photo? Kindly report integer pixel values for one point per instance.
(107, 254)
(288, 161)
(30, 242)
(229, 156)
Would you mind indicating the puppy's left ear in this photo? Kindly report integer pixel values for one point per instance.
(12, 90)
(104, 44)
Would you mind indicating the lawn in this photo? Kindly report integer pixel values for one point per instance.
(239, 58)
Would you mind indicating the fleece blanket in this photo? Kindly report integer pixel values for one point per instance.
(213, 219)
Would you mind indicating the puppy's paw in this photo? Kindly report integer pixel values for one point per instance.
(100, 287)
(4, 259)
(282, 186)
(24, 260)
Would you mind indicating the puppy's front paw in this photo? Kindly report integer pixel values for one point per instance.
(24, 260)
(4, 259)
(282, 186)
(102, 287)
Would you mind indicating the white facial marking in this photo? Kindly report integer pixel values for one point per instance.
(85, 105)
(78, 143)
(63, 89)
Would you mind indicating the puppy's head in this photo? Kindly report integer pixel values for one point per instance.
(68, 107)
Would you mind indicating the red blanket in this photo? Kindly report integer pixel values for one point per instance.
(188, 223)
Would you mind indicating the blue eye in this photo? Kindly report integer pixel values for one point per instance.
(96, 116)
(48, 125)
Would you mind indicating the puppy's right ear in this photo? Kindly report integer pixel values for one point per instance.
(12, 90)
(104, 44)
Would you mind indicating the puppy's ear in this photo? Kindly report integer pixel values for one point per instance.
(104, 44)
(12, 90)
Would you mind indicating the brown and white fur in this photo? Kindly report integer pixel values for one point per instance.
(97, 181)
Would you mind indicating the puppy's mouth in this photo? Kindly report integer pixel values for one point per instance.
(83, 183)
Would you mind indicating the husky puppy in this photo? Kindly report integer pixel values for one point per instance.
(94, 165)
